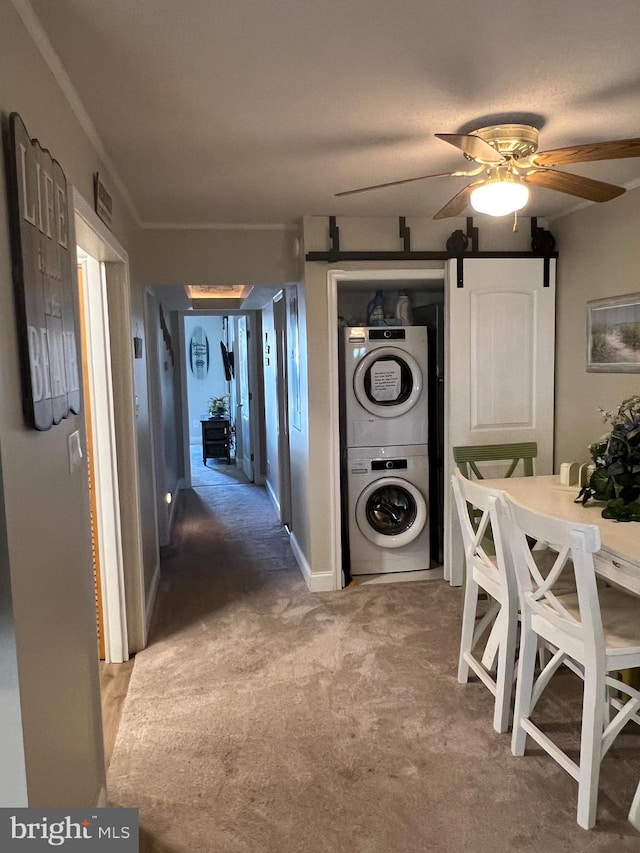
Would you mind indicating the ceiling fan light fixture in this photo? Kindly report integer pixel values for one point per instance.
(500, 196)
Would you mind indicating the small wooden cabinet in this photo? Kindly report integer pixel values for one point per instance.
(216, 439)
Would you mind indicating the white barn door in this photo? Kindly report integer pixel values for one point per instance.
(500, 367)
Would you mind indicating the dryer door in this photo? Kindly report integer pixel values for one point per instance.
(387, 382)
(391, 512)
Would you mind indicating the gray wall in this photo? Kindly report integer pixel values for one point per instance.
(216, 257)
(599, 257)
(48, 546)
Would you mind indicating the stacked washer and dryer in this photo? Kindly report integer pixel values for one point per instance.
(386, 424)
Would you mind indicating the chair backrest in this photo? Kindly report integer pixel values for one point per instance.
(541, 588)
(480, 525)
(466, 457)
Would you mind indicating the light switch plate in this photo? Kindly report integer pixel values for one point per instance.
(75, 452)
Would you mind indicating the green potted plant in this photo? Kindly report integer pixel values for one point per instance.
(219, 406)
(616, 479)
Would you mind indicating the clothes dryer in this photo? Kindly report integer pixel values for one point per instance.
(385, 385)
(388, 510)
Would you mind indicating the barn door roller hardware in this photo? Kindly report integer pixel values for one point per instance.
(460, 245)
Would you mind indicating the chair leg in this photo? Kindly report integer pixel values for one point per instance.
(590, 746)
(634, 811)
(524, 685)
(542, 655)
(504, 674)
(494, 640)
(468, 623)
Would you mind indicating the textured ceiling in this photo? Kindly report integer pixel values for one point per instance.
(249, 111)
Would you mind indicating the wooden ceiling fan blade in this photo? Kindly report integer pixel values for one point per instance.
(396, 183)
(591, 152)
(576, 185)
(473, 147)
(456, 205)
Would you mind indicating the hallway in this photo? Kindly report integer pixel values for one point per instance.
(265, 719)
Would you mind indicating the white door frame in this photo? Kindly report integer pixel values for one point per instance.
(334, 278)
(125, 591)
(282, 391)
(256, 390)
(105, 472)
(245, 397)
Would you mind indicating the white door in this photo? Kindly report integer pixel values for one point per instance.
(500, 366)
(243, 417)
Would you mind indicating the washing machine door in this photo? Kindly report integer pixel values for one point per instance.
(391, 512)
(387, 382)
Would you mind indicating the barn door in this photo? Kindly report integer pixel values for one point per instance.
(500, 365)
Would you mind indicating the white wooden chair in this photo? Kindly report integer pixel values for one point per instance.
(596, 632)
(498, 627)
(634, 811)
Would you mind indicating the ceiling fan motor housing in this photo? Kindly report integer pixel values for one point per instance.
(513, 141)
(509, 155)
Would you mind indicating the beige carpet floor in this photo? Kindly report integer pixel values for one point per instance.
(213, 472)
(265, 719)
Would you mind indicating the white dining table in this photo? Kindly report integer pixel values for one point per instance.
(618, 560)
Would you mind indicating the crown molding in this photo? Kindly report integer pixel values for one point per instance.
(53, 62)
(218, 226)
(51, 58)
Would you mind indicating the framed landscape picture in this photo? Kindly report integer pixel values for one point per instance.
(613, 334)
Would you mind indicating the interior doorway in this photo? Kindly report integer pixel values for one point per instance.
(112, 431)
(351, 290)
(239, 332)
(100, 453)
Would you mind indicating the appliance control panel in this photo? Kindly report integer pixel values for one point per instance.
(388, 464)
(387, 334)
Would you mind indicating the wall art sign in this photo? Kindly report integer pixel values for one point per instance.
(613, 334)
(103, 200)
(199, 353)
(44, 279)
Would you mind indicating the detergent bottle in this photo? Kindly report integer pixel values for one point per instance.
(375, 310)
(403, 310)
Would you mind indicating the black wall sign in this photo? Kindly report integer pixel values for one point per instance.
(43, 274)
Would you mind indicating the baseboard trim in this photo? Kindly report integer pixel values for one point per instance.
(102, 798)
(272, 495)
(174, 503)
(151, 598)
(316, 581)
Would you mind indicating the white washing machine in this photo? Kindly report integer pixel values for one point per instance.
(388, 509)
(385, 385)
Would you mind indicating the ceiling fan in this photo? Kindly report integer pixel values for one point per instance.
(508, 155)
